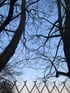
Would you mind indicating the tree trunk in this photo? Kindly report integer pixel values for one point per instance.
(10, 49)
(66, 35)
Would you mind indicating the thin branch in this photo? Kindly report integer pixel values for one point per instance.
(60, 17)
(48, 37)
(32, 3)
(57, 50)
(7, 30)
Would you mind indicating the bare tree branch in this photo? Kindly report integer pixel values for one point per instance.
(10, 49)
(9, 17)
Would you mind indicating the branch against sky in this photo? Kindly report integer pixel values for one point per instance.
(9, 17)
(10, 49)
(36, 36)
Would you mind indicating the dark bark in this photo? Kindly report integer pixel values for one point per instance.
(65, 34)
(10, 49)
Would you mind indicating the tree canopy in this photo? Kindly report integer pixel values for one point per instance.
(36, 33)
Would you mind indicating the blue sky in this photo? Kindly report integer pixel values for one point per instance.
(34, 25)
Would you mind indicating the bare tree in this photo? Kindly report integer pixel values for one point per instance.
(6, 86)
(10, 49)
(39, 30)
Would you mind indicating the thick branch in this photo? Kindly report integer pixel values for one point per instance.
(62, 73)
(66, 35)
(10, 49)
(9, 17)
(2, 3)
